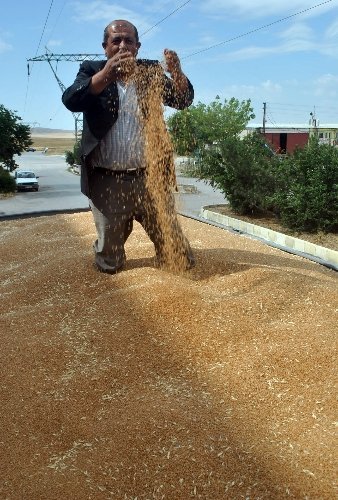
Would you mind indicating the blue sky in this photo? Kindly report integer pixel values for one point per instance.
(291, 65)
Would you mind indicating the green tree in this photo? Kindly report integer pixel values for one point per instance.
(14, 138)
(201, 125)
(181, 127)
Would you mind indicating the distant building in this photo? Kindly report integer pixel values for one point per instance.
(327, 134)
(285, 138)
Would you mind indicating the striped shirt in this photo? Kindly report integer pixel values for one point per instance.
(123, 145)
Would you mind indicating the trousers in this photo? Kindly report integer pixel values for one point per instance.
(117, 199)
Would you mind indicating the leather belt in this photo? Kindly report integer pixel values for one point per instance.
(128, 171)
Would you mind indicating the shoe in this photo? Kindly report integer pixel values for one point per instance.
(107, 271)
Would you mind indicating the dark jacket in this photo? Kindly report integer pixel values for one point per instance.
(100, 111)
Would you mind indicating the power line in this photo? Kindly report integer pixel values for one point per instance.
(256, 29)
(290, 105)
(293, 106)
(57, 20)
(271, 118)
(166, 17)
(43, 31)
(302, 109)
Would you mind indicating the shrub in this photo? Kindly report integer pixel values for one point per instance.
(69, 157)
(7, 182)
(307, 194)
(74, 157)
(243, 169)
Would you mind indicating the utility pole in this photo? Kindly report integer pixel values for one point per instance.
(50, 57)
(314, 123)
(264, 116)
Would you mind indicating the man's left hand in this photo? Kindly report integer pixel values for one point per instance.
(172, 62)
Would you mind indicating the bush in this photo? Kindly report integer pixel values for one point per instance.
(307, 195)
(69, 157)
(301, 190)
(7, 182)
(244, 170)
(74, 157)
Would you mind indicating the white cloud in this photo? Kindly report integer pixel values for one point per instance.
(332, 30)
(326, 85)
(156, 6)
(269, 86)
(295, 45)
(5, 47)
(327, 79)
(99, 10)
(242, 92)
(296, 35)
(54, 43)
(252, 52)
(256, 52)
(297, 38)
(260, 8)
(207, 40)
(297, 31)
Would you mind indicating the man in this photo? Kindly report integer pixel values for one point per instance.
(127, 162)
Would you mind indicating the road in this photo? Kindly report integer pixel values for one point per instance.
(60, 190)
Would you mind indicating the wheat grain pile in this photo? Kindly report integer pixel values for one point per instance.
(218, 383)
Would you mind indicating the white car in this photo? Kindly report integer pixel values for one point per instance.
(26, 180)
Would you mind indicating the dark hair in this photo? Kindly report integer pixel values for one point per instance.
(106, 30)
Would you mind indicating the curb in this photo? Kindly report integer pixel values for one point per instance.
(285, 242)
(43, 213)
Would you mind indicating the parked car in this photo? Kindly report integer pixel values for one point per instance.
(30, 149)
(26, 180)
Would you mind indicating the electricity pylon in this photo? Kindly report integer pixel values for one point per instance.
(49, 57)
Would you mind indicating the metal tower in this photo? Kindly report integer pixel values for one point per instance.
(50, 57)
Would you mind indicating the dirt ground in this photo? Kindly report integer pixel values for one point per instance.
(215, 384)
(57, 145)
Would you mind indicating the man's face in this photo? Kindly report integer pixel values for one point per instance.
(121, 38)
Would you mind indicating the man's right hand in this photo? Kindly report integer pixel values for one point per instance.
(118, 67)
(121, 64)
